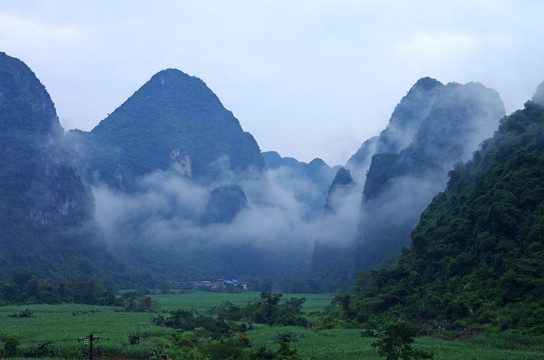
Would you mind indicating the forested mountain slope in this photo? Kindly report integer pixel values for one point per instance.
(478, 249)
(46, 212)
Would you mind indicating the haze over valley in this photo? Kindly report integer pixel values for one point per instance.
(170, 187)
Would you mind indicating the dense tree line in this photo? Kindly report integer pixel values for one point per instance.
(268, 310)
(26, 288)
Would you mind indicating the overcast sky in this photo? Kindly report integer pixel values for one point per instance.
(307, 78)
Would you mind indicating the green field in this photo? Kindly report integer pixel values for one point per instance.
(54, 330)
(203, 301)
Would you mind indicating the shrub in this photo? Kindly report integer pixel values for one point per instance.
(10, 347)
(397, 342)
(26, 313)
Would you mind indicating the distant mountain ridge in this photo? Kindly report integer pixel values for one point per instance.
(317, 172)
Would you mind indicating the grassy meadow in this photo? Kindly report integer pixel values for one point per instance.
(54, 330)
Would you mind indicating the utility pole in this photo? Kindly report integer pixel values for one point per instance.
(89, 339)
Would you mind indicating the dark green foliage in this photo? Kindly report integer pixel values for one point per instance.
(397, 342)
(159, 353)
(232, 348)
(287, 337)
(477, 252)
(268, 310)
(344, 302)
(135, 301)
(239, 347)
(228, 311)
(26, 288)
(27, 313)
(10, 347)
(283, 353)
(187, 320)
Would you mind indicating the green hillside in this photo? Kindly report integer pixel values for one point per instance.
(477, 253)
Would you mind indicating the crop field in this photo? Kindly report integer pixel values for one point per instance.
(347, 344)
(55, 331)
(203, 301)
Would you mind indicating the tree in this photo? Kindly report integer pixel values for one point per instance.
(344, 301)
(397, 342)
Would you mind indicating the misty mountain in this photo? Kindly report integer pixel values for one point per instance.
(224, 204)
(316, 172)
(335, 246)
(342, 182)
(433, 127)
(399, 185)
(174, 121)
(404, 123)
(538, 96)
(182, 191)
(46, 211)
(169, 186)
(477, 250)
(331, 247)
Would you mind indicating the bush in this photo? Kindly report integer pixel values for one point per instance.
(397, 342)
(27, 313)
(10, 347)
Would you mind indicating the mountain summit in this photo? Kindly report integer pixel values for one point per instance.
(25, 106)
(175, 121)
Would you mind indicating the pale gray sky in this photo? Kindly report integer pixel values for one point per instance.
(307, 78)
